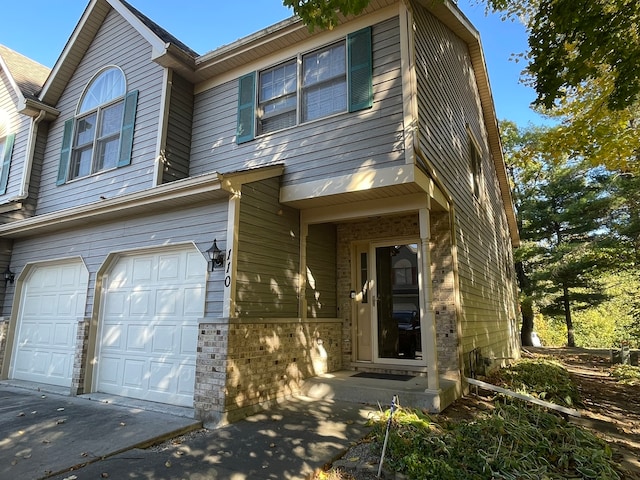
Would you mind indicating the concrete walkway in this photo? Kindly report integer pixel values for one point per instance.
(45, 435)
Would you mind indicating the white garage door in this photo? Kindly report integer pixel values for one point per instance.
(149, 326)
(53, 299)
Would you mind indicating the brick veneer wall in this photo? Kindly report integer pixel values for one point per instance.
(80, 357)
(4, 330)
(265, 361)
(211, 372)
(444, 307)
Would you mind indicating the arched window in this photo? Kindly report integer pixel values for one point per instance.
(101, 134)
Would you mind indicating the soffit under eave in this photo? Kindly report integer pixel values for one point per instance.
(266, 42)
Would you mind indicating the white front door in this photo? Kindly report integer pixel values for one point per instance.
(149, 327)
(53, 298)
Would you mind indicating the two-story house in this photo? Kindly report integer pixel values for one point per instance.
(213, 230)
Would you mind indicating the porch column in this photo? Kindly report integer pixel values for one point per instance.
(430, 347)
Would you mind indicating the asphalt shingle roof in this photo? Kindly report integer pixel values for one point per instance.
(28, 74)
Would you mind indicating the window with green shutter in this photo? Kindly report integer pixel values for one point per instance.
(333, 79)
(6, 149)
(100, 136)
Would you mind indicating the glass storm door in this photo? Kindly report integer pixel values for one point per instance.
(364, 333)
(397, 304)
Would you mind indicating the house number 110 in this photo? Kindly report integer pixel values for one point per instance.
(227, 278)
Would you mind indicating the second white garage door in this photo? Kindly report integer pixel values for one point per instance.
(149, 326)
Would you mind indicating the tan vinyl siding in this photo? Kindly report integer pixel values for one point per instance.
(321, 289)
(178, 145)
(199, 223)
(268, 253)
(116, 43)
(449, 108)
(342, 144)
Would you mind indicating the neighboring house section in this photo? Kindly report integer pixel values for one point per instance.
(20, 79)
(212, 230)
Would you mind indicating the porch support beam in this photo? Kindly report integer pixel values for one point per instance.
(430, 347)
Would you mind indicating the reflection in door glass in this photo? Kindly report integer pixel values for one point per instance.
(398, 303)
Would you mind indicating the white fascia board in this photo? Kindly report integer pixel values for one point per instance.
(12, 82)
(157, 45)
(207, 184)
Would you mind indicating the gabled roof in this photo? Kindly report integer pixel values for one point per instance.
(159, 31)
(167, 50)
(27, 76)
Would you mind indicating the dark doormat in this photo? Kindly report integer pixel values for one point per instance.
(383, 376)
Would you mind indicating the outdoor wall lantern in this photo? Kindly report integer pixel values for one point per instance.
(216, 256)
(9, 276)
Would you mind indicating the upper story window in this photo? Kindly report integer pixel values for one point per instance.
(100, 136)
(6, 149)
(333, 79)
(476, 169)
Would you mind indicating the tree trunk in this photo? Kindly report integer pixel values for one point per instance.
(526, 308)
(571, 341)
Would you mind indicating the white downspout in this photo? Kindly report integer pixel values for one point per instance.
(28, 163)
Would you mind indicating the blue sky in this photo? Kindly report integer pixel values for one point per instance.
(39, 29)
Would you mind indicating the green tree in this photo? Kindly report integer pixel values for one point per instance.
(564, 217)
(324, 13)
(522, 151)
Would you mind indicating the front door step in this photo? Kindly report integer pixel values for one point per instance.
(411, 392)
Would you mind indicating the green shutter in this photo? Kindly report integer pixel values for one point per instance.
(246, 108)
(65, 152)
(128, 122)
(360, 70)
(6, 162)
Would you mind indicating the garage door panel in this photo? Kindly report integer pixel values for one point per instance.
(116, 304)
(138, 336)
(110, 370)
(163, 340)
(140, 302)
(59, 365)
(169, 267)
(68, 276)
(65, 304)
(142, 270)
(162, 378)
(189, 340)
(193, 266)
(34, 334)
(134, 373)
(168, 301)
(186, 380)
(193, 300)
(154, 308)
(61, 334)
